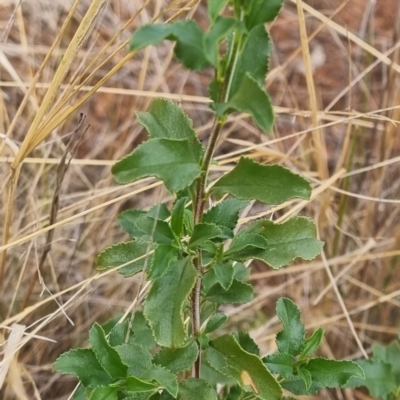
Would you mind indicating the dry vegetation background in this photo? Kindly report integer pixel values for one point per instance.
(341, 133)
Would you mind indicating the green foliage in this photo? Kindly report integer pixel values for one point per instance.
(382, 372)
(192, 256)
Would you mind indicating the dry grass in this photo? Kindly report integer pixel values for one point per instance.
(337, 115)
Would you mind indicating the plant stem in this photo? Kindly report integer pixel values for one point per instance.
(198, 216)
(200, 190)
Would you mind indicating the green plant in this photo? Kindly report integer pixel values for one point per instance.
(191, 255)
(382, 371)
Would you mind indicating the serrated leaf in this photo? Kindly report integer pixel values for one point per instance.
(173, 161)
(203, 232)
(188, 36)
(246, 246)
(242, 272)
(305, 375)
(219, 30)
(261, 11)
(271, 184)
(378, 378)
(238, 293)
(164, 377)
(225, 214)
(246, 342)
(389, 354)
(250, 98)
(162, 258)
(291, 339)
(143, 335)
(163, 307)
(215, 322)
(253, 60)
(122, 253)
(136, 357)
(129, 218)
(188, 222)
(135, 384)
(141, 396)
(198, 389)
(166, 120)
(107, 356)
(333, 373)
(227, 357)
(312, 344)
(177, 360)
(177, 216)
(280, 363)
(215, 7)
(118, 333)
(149, 35)
(104, 393)
(294, 238)
(296, 385)
(84, 365)
(156, 230)
(224, 273)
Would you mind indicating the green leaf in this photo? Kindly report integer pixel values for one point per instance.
(378, 378)
(104, 393)
(136, 357)
(198, 389)
(312, 344)
(118, 333)
(215, 7)
(188, 221)
(215, 322)
(286, 241)
(162, 258)
(134, 384)
(166, 120)
(280, 363)
(238, 293)
(253, 61)
(203, 232)
(271, 184)
(107, 356)
(219, 30)
(252, 99)
(261, 11)
(141, 395)
(305, 375)
(156, 230)
(246, 246)
(333, 373)
(242, 272)
(189, 49)
(227, 357)
(177, 216)
(163, 307)
(177, 360)
(164, 377)
(122, 253)
(128, 219)
(296, 385)
(173, 161)
(225, 214)
(291, 339)
(389, 354)
(84, 365)
(224, 273)
(149, 35)
(246, 342)
(143, 335)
